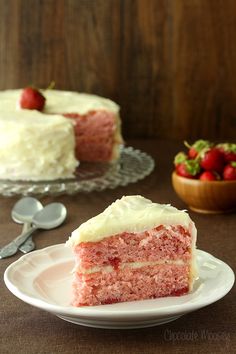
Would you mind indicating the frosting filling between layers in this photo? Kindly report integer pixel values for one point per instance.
(122, 266)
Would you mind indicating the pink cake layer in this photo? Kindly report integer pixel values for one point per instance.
(160, 243)
(130, 284)
(94, 134)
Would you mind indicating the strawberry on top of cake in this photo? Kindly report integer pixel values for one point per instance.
(134, 250)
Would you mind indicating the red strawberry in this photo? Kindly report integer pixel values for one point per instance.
(229, 172)
(184, 167)
(197, 147)
(228, 150)
(192, 153)
(181, 170)
(212, 160)
(208, 176)
(188, 168)
(32, 99)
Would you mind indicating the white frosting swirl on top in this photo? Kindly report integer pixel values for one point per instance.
(130, 214)
(58, 101)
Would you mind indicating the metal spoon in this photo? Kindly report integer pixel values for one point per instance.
(22, 213)
(48, 218)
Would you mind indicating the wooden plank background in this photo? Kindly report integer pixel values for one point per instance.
(170, 64)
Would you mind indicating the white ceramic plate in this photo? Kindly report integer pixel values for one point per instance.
(43, 279)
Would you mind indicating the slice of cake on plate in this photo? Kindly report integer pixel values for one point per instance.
(134, 250)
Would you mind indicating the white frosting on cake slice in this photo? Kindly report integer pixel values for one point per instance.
(130, 214)
(58, 101)
(33, 147)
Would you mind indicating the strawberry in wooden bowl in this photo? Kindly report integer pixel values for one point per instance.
(205, 176)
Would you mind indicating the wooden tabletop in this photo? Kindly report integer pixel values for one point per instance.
(26, 329)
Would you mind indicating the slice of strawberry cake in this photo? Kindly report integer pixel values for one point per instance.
(134, 250)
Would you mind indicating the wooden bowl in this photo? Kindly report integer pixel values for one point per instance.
(206, 197)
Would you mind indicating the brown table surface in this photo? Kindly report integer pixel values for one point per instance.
(26, 329)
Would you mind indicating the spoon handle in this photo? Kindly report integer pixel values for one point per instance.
(26, 227)
(11, 248)
(29, 244)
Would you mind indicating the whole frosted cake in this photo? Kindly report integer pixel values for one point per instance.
(48, 144)
(134, 250)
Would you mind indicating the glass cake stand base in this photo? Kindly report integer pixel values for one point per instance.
(133, 165)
